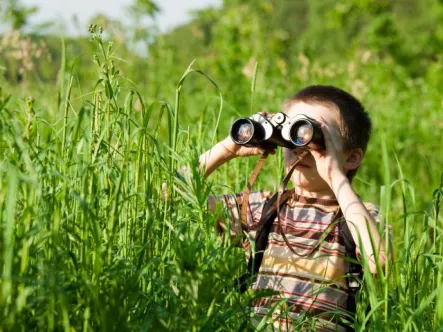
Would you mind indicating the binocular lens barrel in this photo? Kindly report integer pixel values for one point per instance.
(301, 133)
(304, 132)
(245, 131)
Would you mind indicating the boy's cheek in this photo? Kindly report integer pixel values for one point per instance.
(288, 154)
(289, 157)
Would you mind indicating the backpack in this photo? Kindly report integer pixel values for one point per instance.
(263, 229)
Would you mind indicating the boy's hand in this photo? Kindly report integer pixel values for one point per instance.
(330, 161)
(226, 150)
(237, 150)
(244, 151)
(332, 165)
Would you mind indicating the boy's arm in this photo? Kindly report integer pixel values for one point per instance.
(332, 166)
(219, 154)
(226, 150)
(215, 157)
(223, 152)
(360, 222)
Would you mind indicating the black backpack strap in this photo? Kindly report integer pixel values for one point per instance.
(263, 229)
(269, 213)
(355, 271)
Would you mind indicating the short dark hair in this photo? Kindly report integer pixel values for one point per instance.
(354, 121)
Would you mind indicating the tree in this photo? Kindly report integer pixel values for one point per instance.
(16, 14)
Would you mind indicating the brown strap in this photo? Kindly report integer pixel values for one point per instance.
(319, 242)
(245, 200)
(279, 197)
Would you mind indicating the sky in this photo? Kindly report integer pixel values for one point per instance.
(173, 12)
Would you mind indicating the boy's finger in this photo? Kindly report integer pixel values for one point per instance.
(266, 114)
(316, 154)
(325, 130)
(332, 136)
(259, 150)
(269, 150)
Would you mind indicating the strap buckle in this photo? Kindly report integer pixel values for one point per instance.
(353, 281)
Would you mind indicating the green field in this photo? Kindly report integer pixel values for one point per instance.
(87, 139)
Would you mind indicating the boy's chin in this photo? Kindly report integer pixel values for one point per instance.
(304, 183)
(303, 178)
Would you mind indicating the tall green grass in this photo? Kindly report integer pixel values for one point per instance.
(89, 244)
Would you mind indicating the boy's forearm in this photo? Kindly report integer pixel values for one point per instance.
(215, 157)
(360, 222)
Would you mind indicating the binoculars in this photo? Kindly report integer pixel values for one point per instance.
(280, 130)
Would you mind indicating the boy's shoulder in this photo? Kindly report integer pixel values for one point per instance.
(260, 195)
(255, 197)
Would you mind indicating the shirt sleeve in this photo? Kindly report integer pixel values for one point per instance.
(373, 211)
(233, 204)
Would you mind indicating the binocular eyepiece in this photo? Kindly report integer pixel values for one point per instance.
(280, 130)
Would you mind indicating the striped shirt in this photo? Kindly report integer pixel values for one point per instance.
(311, 282)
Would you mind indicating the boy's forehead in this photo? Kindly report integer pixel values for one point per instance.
(316, 111)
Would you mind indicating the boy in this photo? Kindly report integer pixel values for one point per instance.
(311, 280)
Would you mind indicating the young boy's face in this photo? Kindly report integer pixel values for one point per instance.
(305, 175)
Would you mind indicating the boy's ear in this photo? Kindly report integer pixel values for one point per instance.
(353, 159)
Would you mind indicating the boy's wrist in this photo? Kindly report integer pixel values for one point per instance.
(219, 154)
(229, 148)
(338, 181)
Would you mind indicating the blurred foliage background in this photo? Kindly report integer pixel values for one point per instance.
(86, 141)
(387, 53)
